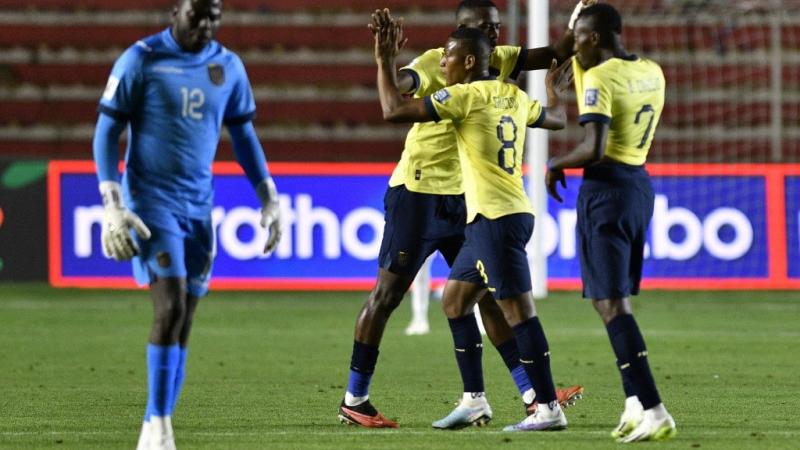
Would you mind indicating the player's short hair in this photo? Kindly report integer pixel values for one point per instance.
(606, 18)
(472, 4)
(473, 41)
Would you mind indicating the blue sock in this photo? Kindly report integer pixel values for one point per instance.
(510, 354)
(628, 344)
(362, 366)
(469, 351)
(180, 375)
(162, 363)
(534, 354)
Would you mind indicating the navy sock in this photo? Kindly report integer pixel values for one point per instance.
(162, 363)
(628, 344)
(627, 383)
(510, 354)
(180, 375)
(362, 366)
(469, 351)
(534, 354)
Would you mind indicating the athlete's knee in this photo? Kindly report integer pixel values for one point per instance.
(610, 308)
(169, 308)
(385, 298)
(518, 309)
(389, 291)
(459, 298)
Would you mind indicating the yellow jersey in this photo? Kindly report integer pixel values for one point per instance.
(627, 94)
(429, 163)
(489, 118)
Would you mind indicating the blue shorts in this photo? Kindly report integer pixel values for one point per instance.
(179, 247)
(416, 226)
(615, 204)
(494, 255)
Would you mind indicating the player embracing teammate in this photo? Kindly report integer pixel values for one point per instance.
(620, 98)
(425, 212)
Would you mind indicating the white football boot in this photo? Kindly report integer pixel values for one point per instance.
(548, 417)
(472, 410)
(657, 425)
(144, 437)
(630, 419)
(161, 435)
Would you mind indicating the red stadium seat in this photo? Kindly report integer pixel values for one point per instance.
(648, 37)
(644, 28)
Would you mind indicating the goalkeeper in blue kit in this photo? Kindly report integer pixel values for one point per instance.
(173, 91)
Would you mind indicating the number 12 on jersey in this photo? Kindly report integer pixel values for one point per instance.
(192, 101)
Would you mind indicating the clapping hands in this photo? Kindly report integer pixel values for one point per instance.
(388, 33)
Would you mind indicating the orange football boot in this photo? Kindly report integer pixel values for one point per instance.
(364, 415)
(566, 397)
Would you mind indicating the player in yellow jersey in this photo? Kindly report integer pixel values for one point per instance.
(425, 212)
(489, 117)
(620, 99)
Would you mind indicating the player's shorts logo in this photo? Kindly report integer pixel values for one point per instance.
(590, 97)
(216, 73)
(163, 259)
(441, 96)
(402, 259)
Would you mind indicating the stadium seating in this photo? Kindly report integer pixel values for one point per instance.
(310, 62)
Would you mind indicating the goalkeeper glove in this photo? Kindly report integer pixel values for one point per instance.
(270, 213)
(117, 222)
(577, 11)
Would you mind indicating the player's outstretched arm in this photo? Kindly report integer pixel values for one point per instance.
(251, 157)
(388, 35)
(540, 57)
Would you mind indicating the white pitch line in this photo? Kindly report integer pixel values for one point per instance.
(684, 434)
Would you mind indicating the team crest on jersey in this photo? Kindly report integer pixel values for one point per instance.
(590, 97)
(441, 96)
(216, 73)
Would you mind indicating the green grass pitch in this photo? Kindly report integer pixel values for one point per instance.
(268, 370)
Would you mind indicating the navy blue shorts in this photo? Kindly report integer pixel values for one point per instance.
(615, 204)
(417, 225)
(494, 255)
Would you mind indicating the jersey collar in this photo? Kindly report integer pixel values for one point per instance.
(486, 78)
(173, 45)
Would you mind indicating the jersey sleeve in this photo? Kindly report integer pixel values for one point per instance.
(509, 59)
(536, 114)
(594, 103)
(423, 69)
(241, 106)
(452, 102)
(124, 88)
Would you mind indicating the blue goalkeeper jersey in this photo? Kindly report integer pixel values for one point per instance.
(175, 103)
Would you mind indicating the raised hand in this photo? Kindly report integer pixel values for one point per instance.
(388, 33)
(559, 78)
(582, 4)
